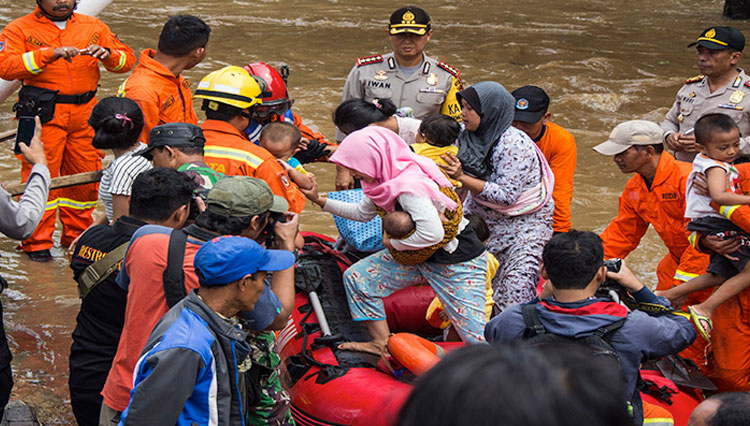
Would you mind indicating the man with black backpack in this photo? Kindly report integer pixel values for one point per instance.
(159, 196)
(573, 264)
(158, 272)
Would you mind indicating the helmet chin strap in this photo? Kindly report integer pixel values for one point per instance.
(56, 18)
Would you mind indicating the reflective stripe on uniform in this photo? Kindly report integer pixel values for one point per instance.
(123, 59)
(233, 154)
(727, 211)
(69, 203)
(78, 205)
(121, 89)
(659, 422)
(684, 276)
(30, 63)
(693, 240)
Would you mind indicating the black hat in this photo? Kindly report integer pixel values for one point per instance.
(409, 19)
(531, 104)
(720, 38)
(174, 134)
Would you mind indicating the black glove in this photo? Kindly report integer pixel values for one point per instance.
(315, 150)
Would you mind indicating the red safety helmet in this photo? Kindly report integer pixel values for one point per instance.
(276, 101)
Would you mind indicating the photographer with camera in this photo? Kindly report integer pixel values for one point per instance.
(237, 205)
(17, 221)
(575, 270)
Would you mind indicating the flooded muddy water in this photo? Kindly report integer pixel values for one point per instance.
(601, 62)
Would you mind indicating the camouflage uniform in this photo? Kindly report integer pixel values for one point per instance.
(272, 408)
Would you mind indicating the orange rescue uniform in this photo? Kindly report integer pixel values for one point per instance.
(162, 96)
(227, 150)
(27, 53)
(662, 206)
(729, 354)
(559, 148)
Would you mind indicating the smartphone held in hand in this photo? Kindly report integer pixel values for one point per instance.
(25, 132)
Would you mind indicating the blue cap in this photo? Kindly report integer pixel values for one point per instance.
(227, 259)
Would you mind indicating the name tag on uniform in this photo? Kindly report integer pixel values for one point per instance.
(431, 90)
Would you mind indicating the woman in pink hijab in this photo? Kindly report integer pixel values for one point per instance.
(394, 177)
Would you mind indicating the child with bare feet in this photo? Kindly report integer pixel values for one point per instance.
(282, 140)
(719, 141)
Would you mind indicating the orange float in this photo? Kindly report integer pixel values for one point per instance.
(415, 353)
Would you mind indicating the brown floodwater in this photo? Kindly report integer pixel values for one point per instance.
(601, 62)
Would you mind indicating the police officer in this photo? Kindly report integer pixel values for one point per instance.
(407, 76)
(721, 87)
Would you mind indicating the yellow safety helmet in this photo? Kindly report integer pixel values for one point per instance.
(230, 85)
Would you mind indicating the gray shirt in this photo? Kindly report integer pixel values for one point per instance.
(695, 100)
(431, 89)
(19, 219)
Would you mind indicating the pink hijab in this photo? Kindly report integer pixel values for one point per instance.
(380, 153)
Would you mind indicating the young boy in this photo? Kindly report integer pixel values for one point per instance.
(282, 141)
(437, 136)
(719, 140)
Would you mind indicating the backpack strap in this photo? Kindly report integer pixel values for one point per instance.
(534, 327)
(98, 271)
(606, 332)
(173, 277)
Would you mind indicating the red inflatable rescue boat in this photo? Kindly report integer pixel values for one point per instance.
(328, 386)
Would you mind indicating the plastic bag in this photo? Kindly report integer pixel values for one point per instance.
(362, 236)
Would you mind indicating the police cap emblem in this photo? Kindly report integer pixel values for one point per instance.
(522, 104)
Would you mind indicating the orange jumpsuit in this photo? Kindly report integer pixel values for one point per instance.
(559, 148)
(228, 151)
(729, 353)
(662, 206)
(27, 53)
(162, 96)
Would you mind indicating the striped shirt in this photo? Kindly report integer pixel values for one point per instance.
(118, 177)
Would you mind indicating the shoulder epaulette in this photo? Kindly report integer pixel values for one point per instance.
(451, 69)
(695, 79)
(367, 60)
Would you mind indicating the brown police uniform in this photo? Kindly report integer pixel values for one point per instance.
(695, 100)
(431, 89)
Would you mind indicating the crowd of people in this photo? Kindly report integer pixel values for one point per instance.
(190, 270)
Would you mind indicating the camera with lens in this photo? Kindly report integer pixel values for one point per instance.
(269, 232)
(613, 265)
(194, 211)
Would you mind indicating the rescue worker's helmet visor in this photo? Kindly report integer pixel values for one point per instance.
(264, 111)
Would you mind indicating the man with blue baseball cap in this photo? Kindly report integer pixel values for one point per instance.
(188, 372)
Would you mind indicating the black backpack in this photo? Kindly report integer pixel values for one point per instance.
(597, 344)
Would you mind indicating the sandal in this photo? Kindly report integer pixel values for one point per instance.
(699, 321)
